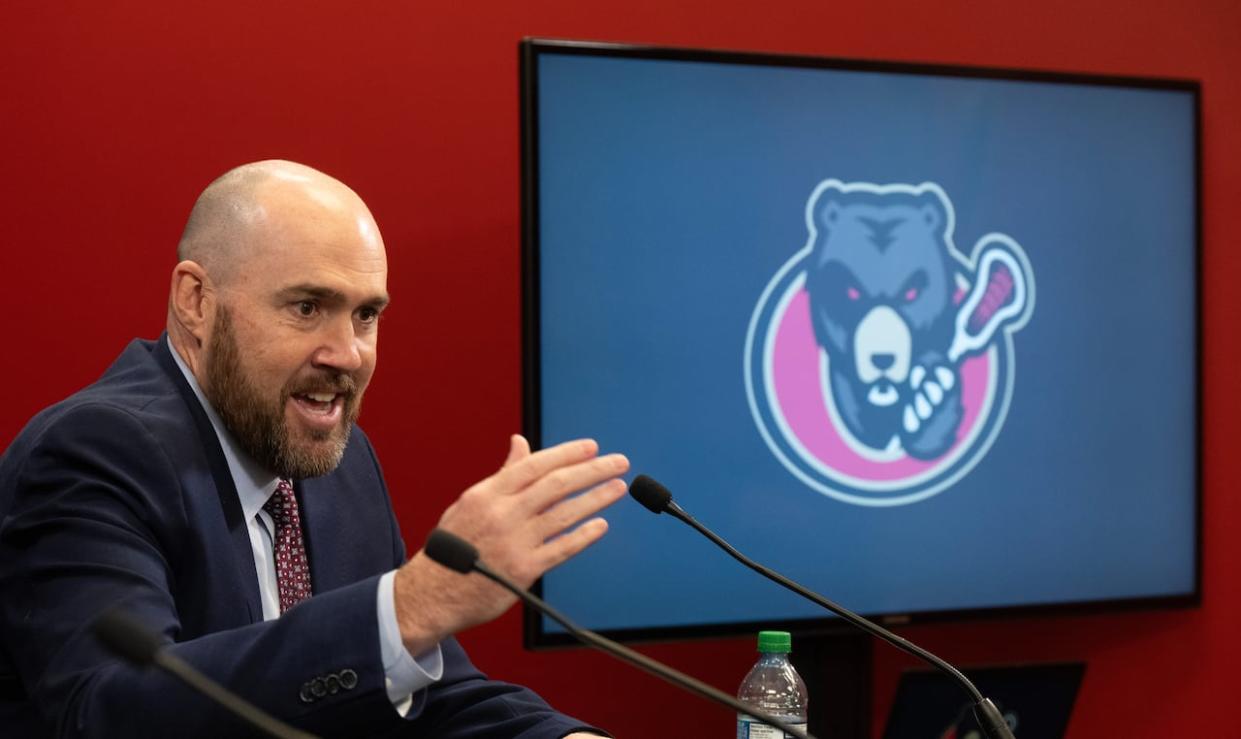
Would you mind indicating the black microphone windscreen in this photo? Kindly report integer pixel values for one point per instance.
(650, 493)
(452, 551)
(122, 634)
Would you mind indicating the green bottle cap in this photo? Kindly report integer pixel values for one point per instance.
(775, 642)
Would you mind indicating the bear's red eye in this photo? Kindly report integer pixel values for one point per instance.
(911, 294)
(853, 293)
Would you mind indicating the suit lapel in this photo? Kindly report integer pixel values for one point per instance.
(240, 557)
(315, 504)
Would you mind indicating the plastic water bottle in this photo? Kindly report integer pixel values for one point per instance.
(774, 688)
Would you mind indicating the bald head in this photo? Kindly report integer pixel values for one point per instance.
(235, 216)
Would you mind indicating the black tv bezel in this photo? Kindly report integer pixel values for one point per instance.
(535, 636)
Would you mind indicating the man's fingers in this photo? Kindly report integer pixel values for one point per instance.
(565, 481)
(518, 449)
(566, 514)
(529, 469)
(563, 548)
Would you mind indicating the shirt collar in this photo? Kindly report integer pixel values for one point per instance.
(254, 484)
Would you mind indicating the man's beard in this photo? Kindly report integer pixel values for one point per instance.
(258, 423)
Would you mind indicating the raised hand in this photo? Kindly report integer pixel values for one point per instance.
(524, 520)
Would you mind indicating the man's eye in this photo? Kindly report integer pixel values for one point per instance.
(306, 308)
(368, 315)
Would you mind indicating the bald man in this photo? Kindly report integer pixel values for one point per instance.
(213, 484)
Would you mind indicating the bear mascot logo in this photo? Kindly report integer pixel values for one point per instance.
(879, 359)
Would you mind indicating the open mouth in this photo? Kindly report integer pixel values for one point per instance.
(318, 402)
(319, 409)
(883, 394)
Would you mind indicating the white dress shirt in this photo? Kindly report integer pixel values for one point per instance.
(404, 674)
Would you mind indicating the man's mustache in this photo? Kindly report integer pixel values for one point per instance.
(343, 384)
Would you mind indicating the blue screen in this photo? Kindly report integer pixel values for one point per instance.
(920, 342)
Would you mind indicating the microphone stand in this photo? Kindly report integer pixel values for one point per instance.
(457, 554)
(137, 644)
(986, 712)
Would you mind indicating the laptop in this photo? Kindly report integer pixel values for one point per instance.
(1036, 700)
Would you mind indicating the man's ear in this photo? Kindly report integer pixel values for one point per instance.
(192, 300)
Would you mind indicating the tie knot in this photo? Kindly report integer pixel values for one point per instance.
(282, 505)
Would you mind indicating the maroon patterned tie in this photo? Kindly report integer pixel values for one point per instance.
(292, 570)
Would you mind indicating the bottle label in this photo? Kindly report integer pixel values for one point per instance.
(748, 728)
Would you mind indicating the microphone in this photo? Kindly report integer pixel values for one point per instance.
(658, 499)
(460, 556)
(135, 643)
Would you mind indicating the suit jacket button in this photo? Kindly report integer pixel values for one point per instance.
(305, 695)
(333, 684)
(348, 679)
(317, 687)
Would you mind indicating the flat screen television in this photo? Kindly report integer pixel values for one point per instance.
(925, 339)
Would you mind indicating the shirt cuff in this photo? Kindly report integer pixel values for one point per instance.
(404, 674)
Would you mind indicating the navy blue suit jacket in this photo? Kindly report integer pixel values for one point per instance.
(121, 496)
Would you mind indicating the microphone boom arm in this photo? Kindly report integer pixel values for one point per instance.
(988, 716)
(862, 623)
(636, 659)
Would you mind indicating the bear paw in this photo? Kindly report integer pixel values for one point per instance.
(930, 389)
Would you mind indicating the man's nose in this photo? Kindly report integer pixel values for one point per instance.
(341, 348)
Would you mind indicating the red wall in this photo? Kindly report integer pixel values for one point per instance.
(115, 114)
